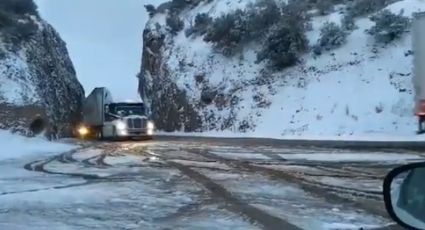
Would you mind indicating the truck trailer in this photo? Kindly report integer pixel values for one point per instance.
(104, 118)
(418, 38)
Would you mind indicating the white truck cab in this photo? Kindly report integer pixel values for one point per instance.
(126, 120)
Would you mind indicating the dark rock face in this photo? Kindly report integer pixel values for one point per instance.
(168, 104)
(56, 82)
(45, 80)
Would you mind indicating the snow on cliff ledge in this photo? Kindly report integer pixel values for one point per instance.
(348, 91)
(16, 86)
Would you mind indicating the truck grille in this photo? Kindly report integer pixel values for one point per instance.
(137, 123)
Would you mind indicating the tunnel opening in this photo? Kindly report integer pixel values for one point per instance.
(37, 126)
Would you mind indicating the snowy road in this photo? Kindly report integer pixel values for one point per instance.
(197, 184)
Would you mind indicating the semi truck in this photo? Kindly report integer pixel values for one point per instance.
(418, 45)
(104, 118)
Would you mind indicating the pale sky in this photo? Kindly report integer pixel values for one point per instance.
(104, 40)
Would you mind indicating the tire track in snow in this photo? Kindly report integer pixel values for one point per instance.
(92, 161)
(249, 166)
(351, 172)
(101, 160)
(96, 161)
(233, 204)
(40, 166)
(67, 158)
(369, 194)
(45, 189)
(88, 162)
(346, 168)
(373, 199)
(58, 187)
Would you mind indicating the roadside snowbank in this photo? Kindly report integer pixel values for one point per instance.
(375, 137)
(15, 146)
(353, 157)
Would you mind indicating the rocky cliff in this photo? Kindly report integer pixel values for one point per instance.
(37, 76)
(280, 68)
(168, 103)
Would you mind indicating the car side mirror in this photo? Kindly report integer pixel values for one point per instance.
(404, 195)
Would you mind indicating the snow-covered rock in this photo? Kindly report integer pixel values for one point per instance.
(36, 75)
(359, 88)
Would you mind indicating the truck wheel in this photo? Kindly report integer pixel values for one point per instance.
(99, 135)
(421, 121)
(114, 134)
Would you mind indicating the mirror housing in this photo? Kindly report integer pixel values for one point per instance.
(404, 195)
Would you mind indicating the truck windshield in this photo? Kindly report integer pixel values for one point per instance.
(129, 110)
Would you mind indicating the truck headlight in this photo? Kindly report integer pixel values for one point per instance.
(151, 125)
(121, 125)
(83, 131)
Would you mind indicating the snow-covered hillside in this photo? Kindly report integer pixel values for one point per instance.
(357, 89)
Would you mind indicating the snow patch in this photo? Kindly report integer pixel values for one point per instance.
(86, 154)
(214, 165)
(125, 159)
(15, 146)
(314, 35)
(221, 7)
(40, 24)
(241, 155)
(409, 7)
(16, 86)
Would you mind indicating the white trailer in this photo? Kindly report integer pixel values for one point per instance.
(103, 118)
(94, 105)
(418, 43)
